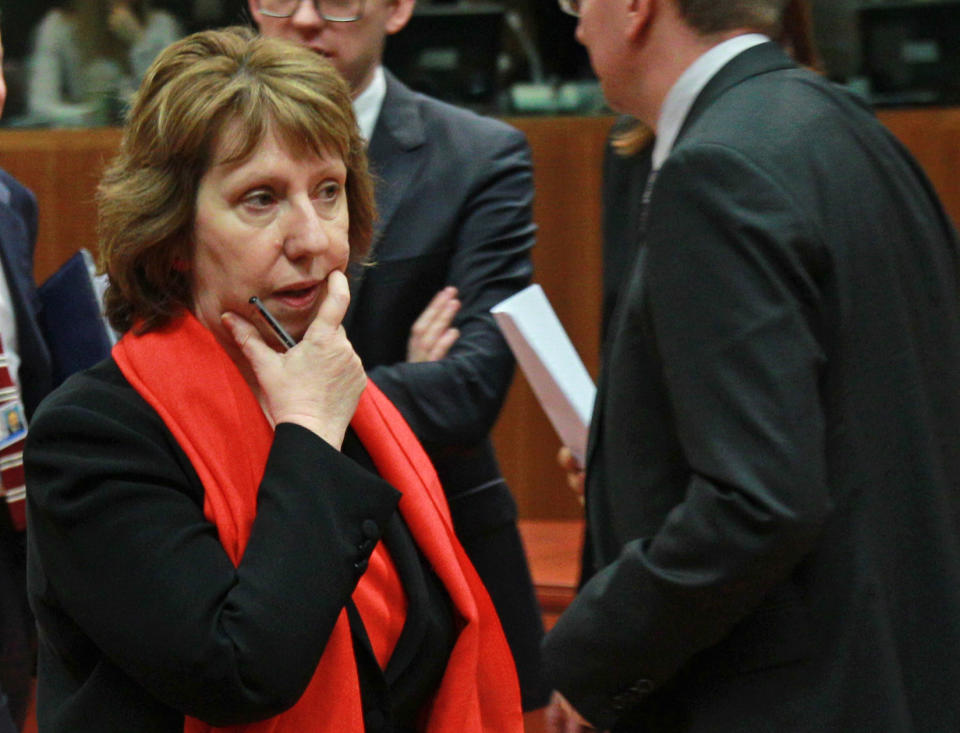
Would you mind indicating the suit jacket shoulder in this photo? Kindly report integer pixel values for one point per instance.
(18, 226)
(411, 119)
(22, 201)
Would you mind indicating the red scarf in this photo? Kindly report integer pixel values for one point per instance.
(187, 377)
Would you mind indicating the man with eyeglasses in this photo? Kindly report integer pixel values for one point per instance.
(454, 195)
(773, 476)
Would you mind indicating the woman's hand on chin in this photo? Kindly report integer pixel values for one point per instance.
(317, 383)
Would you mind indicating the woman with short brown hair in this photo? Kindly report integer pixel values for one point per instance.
(229, 525)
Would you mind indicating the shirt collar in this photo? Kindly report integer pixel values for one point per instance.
(368, 103)
(684, 92)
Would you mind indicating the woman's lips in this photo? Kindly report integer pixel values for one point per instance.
(297, 297)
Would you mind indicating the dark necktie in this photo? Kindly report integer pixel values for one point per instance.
(645, 205)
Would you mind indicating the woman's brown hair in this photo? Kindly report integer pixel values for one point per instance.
(193, 90)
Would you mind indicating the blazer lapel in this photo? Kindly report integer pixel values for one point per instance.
(641, 235)
(398, 134)
(399, 131)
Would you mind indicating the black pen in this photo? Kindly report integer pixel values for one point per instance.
(284, 337)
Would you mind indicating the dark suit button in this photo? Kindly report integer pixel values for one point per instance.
(370, 529)
(643, 687)
(361, 565)
(374, 720)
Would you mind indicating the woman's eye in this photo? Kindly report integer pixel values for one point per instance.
(327, 198)
(329, 192)
(259, 200)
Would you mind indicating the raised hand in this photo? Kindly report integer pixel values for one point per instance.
(318, 382)
(431, 335)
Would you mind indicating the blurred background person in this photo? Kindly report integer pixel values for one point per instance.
(455, 200)
(223, 531)
(89, 56)
(25, 377)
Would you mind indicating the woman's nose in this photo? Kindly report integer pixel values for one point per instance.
(307, 233)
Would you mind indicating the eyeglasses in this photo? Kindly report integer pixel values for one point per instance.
(337, 11)
(570, 7)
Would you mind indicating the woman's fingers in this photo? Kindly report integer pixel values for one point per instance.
(248, 339)
(333, 307)
(318, 382)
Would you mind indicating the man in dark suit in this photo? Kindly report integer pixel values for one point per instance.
(454, 196)
(20, 332)
(773, 474)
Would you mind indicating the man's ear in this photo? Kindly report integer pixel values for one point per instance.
(639, 15)
(252, 7)
(399, 15)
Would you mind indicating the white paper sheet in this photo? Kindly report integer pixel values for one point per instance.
(551, 365)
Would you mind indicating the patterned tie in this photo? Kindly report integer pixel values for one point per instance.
(12, 487)
(645, 205)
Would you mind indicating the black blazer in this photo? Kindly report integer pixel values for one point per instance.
(773, 478)
(144, 619)
(454, 195)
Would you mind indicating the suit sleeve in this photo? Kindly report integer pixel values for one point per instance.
(117, 523)
(730, 308)
(456, 400)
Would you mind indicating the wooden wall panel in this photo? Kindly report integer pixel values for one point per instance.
(933, 136)
(62, 167)
(566, 160)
